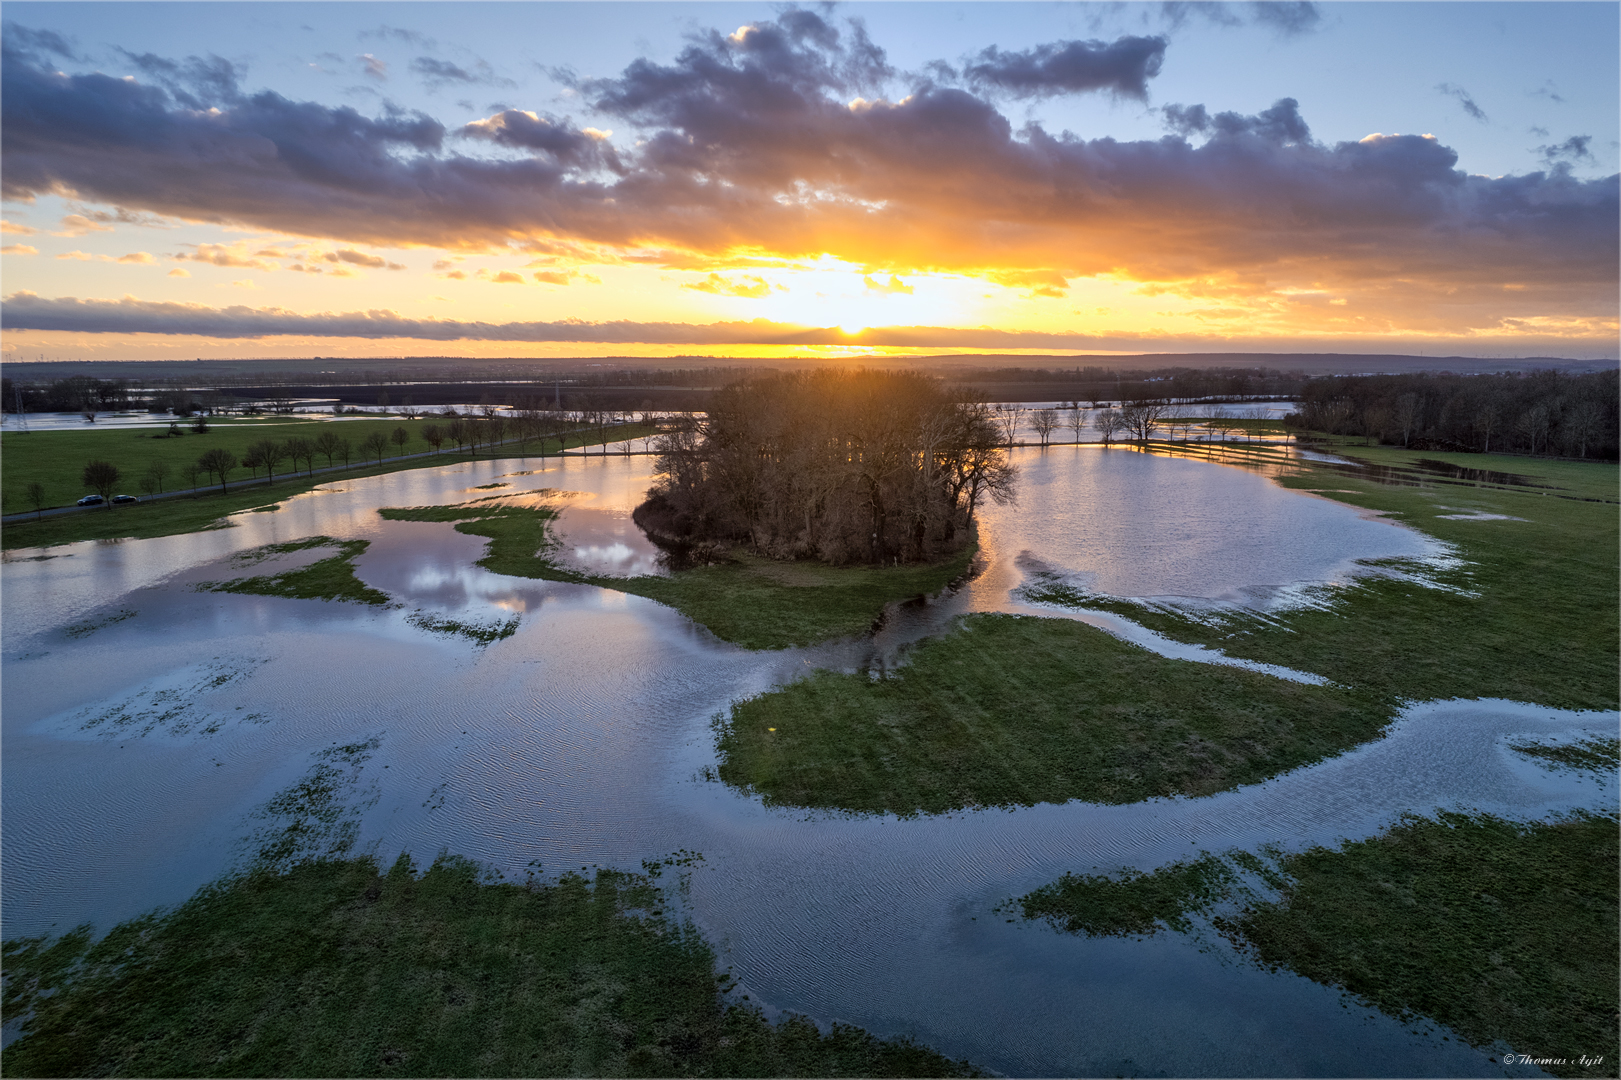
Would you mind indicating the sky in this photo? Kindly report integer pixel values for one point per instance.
(741, 179)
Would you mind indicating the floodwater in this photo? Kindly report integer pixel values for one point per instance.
(146, 722)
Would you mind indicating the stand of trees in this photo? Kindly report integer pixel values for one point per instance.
(863, 467)
(1543, 412)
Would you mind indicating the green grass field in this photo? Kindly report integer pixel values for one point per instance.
(336, 969)
(1011, 711)
(38, 459)
(754, 602)
(332, 578)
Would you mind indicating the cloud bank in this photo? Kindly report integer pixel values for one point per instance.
(779, 141)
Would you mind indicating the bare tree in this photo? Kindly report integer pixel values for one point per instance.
(1044, 421)
(218, 462)
(35, 492)
(190, 472)
(377, 444)
(1077, 420)
(1409, 409)
(434, 436)
(302, 449)
(345, 450)
(327, 444)
(1007, 419)
(101, 477)
(1107, 423)
(399, 437)
(270, 454)
(157, 470)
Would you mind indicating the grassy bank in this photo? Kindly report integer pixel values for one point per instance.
(1500, 930)
(332, 578)
(755, 602)
(1529, 612)
(1015, 711)
(336, 969)
(209, 507)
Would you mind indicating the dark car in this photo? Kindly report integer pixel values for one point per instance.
(90, 500)
(125, 499)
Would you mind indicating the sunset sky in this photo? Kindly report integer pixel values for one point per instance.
(554, 179)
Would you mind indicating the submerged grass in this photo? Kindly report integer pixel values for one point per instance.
(754, 602)
(1130, 903)
(1503, 931)
(1588, 755)
(1015, 711)
(1500, 930)
(331, 578)
(478, 633)
(334, 968)
(1528, 611)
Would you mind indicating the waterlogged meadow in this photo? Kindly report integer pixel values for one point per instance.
(1108, 707)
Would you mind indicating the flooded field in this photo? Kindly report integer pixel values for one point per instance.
(148, 726)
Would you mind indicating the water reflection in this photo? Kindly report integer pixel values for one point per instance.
(584, 738)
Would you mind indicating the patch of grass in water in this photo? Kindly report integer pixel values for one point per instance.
(1527, 613)
(327, 579)
(1500, 930)
(335, 968)
(479, 633)
(1130, 903)
(486, 487)
(90, 626)
(1010, 711)
(1588, 755)
(754, 602)
(1503, 931)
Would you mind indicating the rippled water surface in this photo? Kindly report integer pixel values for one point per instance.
(144, 722)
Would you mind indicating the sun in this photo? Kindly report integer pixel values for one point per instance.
(851, 329)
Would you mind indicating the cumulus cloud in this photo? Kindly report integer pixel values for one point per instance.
(1464, 100)
(19, 249)
(79, 225)
(142, 257)
(1121, 67)
(893, 286)
(179, 272)
(16, 228)
(776, 141)
(751, 286)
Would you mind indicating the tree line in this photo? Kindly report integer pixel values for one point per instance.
(840, 466)
(1541, 412)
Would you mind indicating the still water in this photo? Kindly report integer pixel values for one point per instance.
(145, 722)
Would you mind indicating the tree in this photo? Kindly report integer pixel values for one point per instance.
(1140, 418)
(841, 466)
(190, 472)
(377, 444)
(434, 436)
(101, 477)
(326, 444)
(1044, 420)
(345, 449)
(1107, 424)
(302, 449)
(1077, 421)
(36, 497)
(218, 462)
(399, 437)
(1007, 419)
(270, 454)
(156, 471)
(1408, 411)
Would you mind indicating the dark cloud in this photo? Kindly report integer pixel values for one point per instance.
(194, 82)
(1569, 152)
(1281, 124)
(1287, 17)
(1467, 102)
(1546, 90)
(1121, 67)
(25, 41)
(28, 311)
(437, 74)
(762, 141)
(394, 33)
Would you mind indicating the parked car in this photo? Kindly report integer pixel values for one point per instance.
(125, 499)
(90, 500)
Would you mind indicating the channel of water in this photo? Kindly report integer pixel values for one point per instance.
(145, 721)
